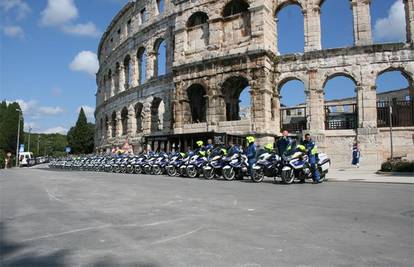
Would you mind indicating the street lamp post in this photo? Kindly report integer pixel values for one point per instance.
(28, 146)
(18, 137)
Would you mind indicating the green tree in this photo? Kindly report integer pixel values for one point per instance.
(81, 137)
(9, 117)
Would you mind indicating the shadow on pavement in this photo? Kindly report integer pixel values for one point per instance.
(13, 254)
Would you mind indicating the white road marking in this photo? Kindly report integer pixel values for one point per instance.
(176, 237)
(52, 197)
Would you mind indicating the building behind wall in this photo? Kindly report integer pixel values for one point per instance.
(216, 50)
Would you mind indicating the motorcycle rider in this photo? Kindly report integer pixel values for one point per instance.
(209, 147)
(251, 153)
(312, 151)
(232, 149)
(284, 142)
(201, 149)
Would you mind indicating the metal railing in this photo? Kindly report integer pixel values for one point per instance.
(293, 119)
(402, 113)
(338, 117)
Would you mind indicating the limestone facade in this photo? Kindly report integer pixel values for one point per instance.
(214, 50)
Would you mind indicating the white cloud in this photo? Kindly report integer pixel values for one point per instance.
(391, 28)
(57, 129)
(32, 108)
(89, 112)
(59, 12)
(85, 29)
(62, 14)
(14, 31)
(85, 61)
(50, 110)
(20, 8)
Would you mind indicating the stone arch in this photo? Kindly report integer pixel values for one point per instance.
(198, 33)
(232, 88)
(157, 114)
(196, 19)
(139, 116)
(235, 7)
(124, 121)
(341, 111)
(332, 75)
(107, 126)
(281, 30)
(142, 64)
(197, 102)
(128, 71)
(113, 124)
(288, 78)
(402, 69)
(160, 64)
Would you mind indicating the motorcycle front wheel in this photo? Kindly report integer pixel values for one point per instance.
(229, 174)
(171, 171)
(208, 174)
(156, 170)
(138, 169)
(257, 175)
(191, 172)
(287, 176)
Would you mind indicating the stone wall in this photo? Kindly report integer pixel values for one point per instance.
(224, 51)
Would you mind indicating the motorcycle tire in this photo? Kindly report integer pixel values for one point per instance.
(156, 170)
(130, 170)
(172, 171)
(147, 170)
(257, 176)
(137, 169)
(191, 172)
(229, 174)
(287, 176)
(208, 174)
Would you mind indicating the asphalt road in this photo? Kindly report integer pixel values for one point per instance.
(57, 218)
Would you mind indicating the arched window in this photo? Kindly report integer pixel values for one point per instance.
(236, 107)
(195, 94)
(290, 28)
(340, 102)
(198, 18)
(107, 126)
(235, 7)
(161, 58)
(157, 114)
(336, 23)
(139, 116)
(198, 33)
(160, 6)
(292, 105)
(113, 124)
(395, 89)
(142, 65)
(124, 121)
(127, 71)
(117, 74)
(388, 21)
(110, 90)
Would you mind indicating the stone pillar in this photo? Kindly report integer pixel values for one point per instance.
(132, 122)
(261, 110)
(108, 130)
(276, 34)
(312, 28)
(134, 72)
(367, 106)
(276, 112)
(216, 33)
(315, 103)
(146, 117)
(121, 78)
(150, 64)
(409, 18)
(118, 131)
(362, 22)
(111, 86)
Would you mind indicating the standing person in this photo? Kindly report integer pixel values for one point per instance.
(232, 149)
(356, 154)
(312, 150)
(209, 147)
(251, 153)
(283, 143)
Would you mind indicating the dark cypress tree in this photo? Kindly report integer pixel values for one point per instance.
(81, 137)
(9, 117)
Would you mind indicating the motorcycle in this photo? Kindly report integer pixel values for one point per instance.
(297, 166)
(268, 164)
(195, 166)
(235, 166)
(214, 165)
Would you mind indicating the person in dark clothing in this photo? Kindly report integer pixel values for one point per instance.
(312, 151)
(251, 153)
(283, 143)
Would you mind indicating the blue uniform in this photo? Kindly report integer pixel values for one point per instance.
(251, 156)
(283, 144)
(311, 152)
(233, 150)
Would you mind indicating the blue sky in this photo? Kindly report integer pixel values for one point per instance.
(47, 53)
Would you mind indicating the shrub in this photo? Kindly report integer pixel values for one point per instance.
(397, 166)
(2, 157)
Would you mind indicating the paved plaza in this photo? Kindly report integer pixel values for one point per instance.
(58, 218)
